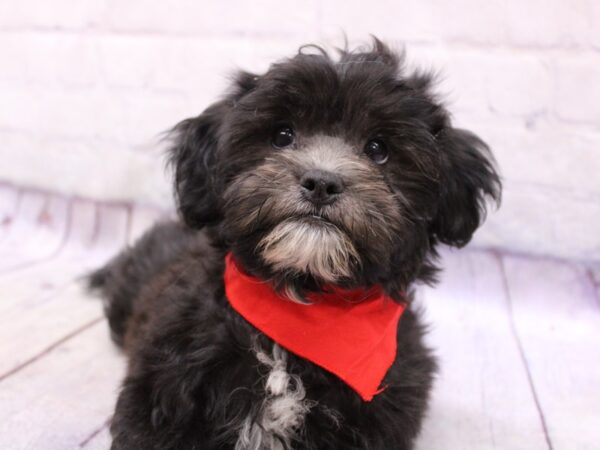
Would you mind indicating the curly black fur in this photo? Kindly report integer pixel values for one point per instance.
(194, 381)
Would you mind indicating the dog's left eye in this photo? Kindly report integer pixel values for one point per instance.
(377, 151)
(283, 137)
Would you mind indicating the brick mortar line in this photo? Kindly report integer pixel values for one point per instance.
(275, 36)
(319, 35)
(571, 128)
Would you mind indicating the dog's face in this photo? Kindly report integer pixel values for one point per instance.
(329, 171)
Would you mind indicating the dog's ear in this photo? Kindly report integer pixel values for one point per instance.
(193, 155)
(468, 179)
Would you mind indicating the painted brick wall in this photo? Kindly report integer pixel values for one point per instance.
(87, 85)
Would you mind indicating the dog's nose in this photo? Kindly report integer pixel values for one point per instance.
(321, 187)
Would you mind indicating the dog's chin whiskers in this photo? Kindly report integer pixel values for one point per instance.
(321, 250)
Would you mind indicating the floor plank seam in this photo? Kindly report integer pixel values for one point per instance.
(50, 348)
(95, 433)
(521, 351)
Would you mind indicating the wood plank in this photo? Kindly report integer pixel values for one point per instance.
(85, 250)
(481, 398)
(97, 232)
(60, 400)
(41, 276)
(50, 321)
(44, 304)
(557, 321)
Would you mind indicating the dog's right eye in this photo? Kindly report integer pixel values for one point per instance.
(283, 137)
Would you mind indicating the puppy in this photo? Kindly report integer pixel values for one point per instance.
(277, 314)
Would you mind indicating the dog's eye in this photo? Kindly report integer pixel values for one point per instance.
(283, 137)
(377, 151)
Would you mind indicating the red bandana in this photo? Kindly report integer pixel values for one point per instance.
(350, 333)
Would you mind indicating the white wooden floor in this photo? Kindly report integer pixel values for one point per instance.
(518, 339)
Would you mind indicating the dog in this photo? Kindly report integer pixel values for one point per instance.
(306, 193)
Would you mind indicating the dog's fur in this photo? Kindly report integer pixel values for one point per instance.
(201, 377)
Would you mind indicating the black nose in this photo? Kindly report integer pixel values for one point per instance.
(321, 187)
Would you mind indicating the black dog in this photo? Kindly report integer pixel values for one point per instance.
(322, 172)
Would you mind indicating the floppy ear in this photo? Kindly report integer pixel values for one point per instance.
(193, 156)
(468, 179)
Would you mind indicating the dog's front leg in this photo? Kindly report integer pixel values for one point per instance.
(168, 397)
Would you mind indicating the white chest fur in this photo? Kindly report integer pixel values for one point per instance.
(282, 412)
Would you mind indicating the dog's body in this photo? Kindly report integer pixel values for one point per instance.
(317, 173)
(195, 379)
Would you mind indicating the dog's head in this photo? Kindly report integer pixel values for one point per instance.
(324, 170)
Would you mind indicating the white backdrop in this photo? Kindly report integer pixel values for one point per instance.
(87, 85)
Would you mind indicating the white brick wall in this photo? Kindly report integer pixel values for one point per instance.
(86, 86)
